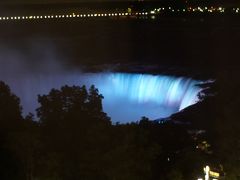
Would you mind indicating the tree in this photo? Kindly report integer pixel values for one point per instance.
(74, 130)
(72, 101)
(218, 114)
(10, 124)
(26, 145)
(10, 109)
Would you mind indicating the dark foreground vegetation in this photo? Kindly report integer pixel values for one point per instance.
(74, 139)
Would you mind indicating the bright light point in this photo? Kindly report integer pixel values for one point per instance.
(206, 170)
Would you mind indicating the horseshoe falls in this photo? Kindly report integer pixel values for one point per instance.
(127, 97)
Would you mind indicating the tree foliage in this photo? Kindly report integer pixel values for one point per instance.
(74, 139)
(10, 109)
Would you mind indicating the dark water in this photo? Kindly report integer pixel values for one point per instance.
(189, 42)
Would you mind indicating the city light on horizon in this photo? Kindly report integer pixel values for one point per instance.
(156, 11)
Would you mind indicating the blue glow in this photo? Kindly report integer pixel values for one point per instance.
(154, 96)
(127, 97)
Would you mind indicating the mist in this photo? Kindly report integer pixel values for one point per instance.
(127, 97)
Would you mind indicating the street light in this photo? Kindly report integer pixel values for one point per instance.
(206, 170)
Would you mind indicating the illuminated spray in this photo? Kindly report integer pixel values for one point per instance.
(127, 97)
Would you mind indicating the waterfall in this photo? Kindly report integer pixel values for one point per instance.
(127, 97)
(163, 90)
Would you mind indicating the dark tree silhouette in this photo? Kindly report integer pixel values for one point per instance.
(10, 124)
(71, 101)
(75, 131)
(74, 139)
(10, 109)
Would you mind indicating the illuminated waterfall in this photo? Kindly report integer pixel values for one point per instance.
(127, 97)
(154, 96)
(163, 90)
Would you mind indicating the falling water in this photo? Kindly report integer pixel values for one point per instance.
(127, 97)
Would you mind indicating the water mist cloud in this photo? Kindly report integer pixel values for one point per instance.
(127, 97)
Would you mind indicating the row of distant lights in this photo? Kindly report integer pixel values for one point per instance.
(155, 11)
(190, 9)
(206, 9)
(71, 16)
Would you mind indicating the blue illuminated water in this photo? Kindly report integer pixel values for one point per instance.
(131, 96)
(127, 97)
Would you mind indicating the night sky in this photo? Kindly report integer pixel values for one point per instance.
(76, 1)
(51, 1)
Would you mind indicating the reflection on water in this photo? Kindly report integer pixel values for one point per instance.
(127, 97)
